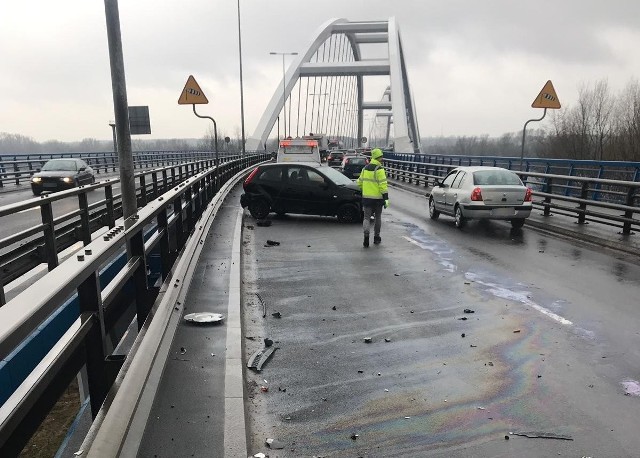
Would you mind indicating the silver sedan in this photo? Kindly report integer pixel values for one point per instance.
(481, 193)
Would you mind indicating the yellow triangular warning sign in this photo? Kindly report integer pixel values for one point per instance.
(192, 94)
(547, 97)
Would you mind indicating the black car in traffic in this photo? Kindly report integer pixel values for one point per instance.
(304, 188)
(59, 174)
(335, 157)
(352, 166)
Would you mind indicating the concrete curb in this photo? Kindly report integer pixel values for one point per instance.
(235, 442)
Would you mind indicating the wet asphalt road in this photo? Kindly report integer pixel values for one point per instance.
(554, 337)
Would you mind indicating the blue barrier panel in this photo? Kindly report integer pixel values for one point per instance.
(19, 364)
(6, 384)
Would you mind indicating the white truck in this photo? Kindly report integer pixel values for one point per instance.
(298, 150)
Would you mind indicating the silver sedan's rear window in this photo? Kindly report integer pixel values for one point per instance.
(495, 177)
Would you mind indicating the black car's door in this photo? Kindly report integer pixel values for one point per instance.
(306, 191)
(270, 183)
(84, 172)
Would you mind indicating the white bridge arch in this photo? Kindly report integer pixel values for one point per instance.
(397, 106)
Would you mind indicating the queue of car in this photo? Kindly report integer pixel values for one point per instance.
(299, 183)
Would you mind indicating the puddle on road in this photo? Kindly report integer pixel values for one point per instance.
(489, 282)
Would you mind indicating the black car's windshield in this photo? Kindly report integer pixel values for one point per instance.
(60, 165)
(335, 176)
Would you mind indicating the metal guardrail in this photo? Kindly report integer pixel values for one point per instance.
(18, 168)
(612, 170)
(595, 199)
(22, 251)
(175, 215)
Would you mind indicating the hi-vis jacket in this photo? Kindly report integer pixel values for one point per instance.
(373, 182)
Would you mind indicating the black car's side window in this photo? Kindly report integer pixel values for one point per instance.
(271, 174)
(303, 175)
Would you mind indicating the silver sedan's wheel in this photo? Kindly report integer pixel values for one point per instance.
(461, 221)
(433, 213)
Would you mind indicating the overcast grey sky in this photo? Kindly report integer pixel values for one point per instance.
(474, 66)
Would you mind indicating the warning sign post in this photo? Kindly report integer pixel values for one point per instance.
(547, 98)
(192, 94)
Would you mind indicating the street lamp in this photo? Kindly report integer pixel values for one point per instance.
(284, 87)
(241, 90)
(115, 142)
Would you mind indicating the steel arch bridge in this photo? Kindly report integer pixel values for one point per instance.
(323, 90)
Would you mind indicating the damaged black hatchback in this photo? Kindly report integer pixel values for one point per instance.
(304, 188)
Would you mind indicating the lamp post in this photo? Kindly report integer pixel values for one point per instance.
(115, 141)
(284, 87)
(241, 90)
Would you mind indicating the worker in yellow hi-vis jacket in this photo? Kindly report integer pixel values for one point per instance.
(373, 182)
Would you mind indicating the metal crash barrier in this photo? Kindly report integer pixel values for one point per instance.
(173, 217)
(613, 202)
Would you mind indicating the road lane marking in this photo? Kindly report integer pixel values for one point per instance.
(491, 288)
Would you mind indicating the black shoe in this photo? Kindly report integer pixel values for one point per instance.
(365, 243)
(377, 239)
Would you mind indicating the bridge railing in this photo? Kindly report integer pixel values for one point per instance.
(19, 168)
(160, 229)
(22, 251)
(586, 198)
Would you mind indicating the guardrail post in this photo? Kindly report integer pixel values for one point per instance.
(198, 201)
(173, 176)
(136, 249)
(85, 230)
(548, 184)
(3, 299)
(16, 169)
(177, 211)
(154, 180)
(108, 197)
(584, 193)
(631, 195)
(90, 302)
(189, 204)
(143, 191)
(51, 253)
(165, 183)
(165, 254)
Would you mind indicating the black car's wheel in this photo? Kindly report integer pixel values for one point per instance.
(461, 221)
(433, 213)
(259, 208)
(348, 213)
(36, 192)
(517, 223)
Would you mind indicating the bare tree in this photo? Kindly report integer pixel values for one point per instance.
(602, 106)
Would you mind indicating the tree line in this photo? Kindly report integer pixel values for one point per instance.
(601, 125)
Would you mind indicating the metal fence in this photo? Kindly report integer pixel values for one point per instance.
(18, 168)
(162, 229)
(22, 251)
(614, 202)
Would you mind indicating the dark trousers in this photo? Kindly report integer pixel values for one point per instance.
(374, 209)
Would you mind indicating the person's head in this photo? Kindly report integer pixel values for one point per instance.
(376, 154)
